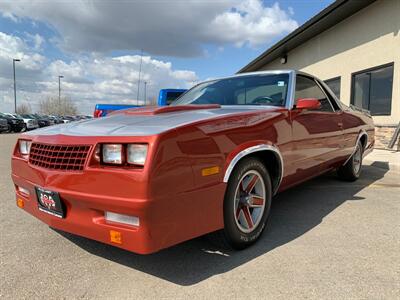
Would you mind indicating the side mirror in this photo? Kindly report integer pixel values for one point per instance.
(308, 103)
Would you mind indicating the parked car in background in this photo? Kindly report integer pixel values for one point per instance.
(51, 120)
(72, 118)
(30, 123)
(102, 110)
(15, 124)
(64, 120)
(4, 124)
(43, 122)
(165, 97)
(148, 178)
(55, 119)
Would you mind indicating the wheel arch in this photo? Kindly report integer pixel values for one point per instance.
(269, 155)
(363, 138)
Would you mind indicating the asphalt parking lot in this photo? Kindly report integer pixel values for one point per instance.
(326, 239)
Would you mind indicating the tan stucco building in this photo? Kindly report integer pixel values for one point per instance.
(355, 46)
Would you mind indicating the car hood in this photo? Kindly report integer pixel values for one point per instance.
(148, 121)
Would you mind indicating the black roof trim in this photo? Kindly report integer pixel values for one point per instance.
(330, 16)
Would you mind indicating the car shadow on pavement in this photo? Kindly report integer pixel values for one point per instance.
(293, 214)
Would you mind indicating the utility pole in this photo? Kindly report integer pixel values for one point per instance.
(145, 92)
(59, 89)
(15, 86)
(140, 71)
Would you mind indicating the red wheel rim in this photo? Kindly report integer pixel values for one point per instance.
(250, 200)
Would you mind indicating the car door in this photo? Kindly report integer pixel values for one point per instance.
(317, 136)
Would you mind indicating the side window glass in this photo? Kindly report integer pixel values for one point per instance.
(331, 99)
(308, 88)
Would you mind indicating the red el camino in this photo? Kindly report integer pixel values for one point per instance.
(145, 179)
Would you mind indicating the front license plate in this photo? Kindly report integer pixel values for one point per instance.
(50, 202)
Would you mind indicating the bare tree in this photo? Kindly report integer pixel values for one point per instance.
(24, 108)
(54, 106)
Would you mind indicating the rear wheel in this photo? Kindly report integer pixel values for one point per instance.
(352, 169)
(247, 203)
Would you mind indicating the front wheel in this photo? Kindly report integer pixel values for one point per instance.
(247, 203)
(352, 169)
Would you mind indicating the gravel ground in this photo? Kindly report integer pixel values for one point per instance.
(326, 239)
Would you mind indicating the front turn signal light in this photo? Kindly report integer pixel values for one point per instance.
(116, 237)
(20, 203)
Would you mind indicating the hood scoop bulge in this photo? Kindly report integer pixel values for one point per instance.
(156, 110)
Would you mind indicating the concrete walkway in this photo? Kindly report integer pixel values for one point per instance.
(384, 157)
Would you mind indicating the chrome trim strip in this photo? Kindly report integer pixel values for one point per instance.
(291, 90)
(247, 151)
(333, 96)
(327, 97)
(363, 132)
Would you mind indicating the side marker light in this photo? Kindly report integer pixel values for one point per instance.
(210, 171)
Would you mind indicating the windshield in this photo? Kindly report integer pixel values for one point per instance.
(261, 89)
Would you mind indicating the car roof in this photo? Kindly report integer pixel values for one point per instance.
(266, 72)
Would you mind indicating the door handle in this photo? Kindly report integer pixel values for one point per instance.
(340, 124)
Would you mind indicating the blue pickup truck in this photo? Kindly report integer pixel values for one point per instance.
(165, 97)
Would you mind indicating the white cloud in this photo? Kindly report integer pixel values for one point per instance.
(251, 22)
(14, 47)
(36, 40)
(88, 80)
(89, 30)
(171, 28)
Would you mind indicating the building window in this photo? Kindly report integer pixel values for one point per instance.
(372, 90)
(334, 85)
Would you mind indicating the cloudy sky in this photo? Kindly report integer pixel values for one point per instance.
(96, 45)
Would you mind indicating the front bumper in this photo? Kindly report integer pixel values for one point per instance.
(167, 213)
(85, 216)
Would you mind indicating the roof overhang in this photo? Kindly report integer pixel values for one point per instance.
(330, 16)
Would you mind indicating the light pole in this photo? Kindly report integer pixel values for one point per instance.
(15, 86)
(145, 92)
(59, 89)
(140, 71)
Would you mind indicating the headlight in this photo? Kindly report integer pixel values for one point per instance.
(14, 121)
(137, 154)
(24, 147)
(112, 153)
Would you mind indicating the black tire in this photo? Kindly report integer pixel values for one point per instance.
(352, 169)
(232, 235)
